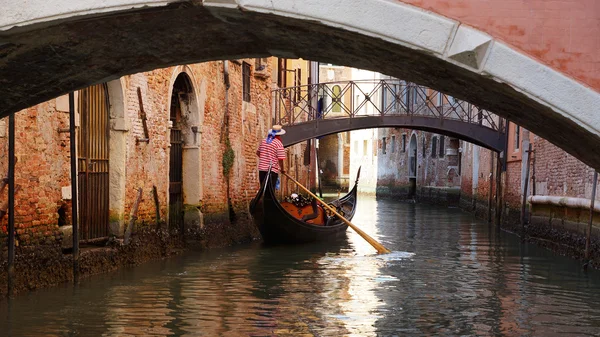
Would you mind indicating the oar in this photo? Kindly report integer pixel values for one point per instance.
(378, 246)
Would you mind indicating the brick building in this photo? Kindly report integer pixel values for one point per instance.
(559, 186)
(163, 131)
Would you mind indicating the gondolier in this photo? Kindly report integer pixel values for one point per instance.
(271, 154)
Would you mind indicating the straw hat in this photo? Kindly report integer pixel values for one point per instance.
(278, 130)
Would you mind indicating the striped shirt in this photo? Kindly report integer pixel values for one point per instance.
(270, 153)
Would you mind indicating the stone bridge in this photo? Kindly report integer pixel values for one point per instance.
(533, 62)
(317, 110)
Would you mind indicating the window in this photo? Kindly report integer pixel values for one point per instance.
(403, 143)
(442, 149)
(298, 83)
(383, 146)
(415, 95)
(393, 144)
(388, 99)
(433, 147)
(440, 99)
(356, 147)
(365, 145)
(336, 93)
(451, 100)
(246, 81)
(405, 96)
(517, 137)
(282, 73)
(375, 144)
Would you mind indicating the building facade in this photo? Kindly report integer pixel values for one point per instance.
(180, 142)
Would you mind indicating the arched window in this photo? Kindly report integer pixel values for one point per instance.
(433, 147)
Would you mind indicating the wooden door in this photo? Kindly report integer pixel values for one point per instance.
(92, 156)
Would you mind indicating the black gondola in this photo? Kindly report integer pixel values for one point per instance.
(278, 225)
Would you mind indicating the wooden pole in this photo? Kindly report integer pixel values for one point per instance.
(318, 173)
(491, 186)
(498, 188)
(525, 190)
(378, 246)
(133, 217)
(11, 203)
(74, 192)
(156, 204)
(588, 239)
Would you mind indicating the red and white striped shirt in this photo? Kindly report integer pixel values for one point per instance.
(270, 153)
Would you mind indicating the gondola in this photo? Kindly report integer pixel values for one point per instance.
(284, 222)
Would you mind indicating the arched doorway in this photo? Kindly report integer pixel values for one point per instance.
(93, 162)
(181, 90)
(412, 165)
(185, 171)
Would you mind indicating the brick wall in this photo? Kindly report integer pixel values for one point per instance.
(557, 173)
(43, 167)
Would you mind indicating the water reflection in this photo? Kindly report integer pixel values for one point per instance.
(449, 274)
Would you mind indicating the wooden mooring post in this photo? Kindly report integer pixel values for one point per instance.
(498, 189)
(156, 204)
(491, 187)
(132, 217)
(11, 204)
(525, 191)
(74, 194)
(588, 238)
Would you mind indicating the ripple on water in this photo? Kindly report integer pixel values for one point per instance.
(447, 274)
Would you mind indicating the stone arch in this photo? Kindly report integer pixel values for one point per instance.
(391, 37)
(119, 127)
(191, 103)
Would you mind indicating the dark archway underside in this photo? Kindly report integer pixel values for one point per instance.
(52, 59)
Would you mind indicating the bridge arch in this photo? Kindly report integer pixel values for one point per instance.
(52, 47)
(479, 135)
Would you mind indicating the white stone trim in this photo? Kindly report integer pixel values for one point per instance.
(23, 13)
(544, 85)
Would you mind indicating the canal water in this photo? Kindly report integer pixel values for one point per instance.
(449, 274)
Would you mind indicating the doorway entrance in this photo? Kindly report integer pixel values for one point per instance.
(92, 162)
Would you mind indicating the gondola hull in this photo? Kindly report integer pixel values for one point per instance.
(276, 225)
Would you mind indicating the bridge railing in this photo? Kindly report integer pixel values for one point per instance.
(386, 97)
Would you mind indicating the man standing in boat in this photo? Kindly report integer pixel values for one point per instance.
(269, 152)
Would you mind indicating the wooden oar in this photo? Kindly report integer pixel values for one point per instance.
(378, 246)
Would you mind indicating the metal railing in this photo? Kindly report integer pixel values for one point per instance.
(386, 97)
